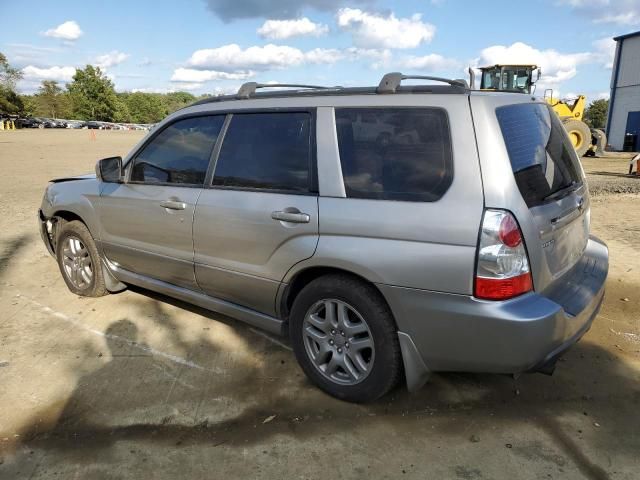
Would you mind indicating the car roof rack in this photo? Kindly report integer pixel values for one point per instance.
(391, 81)
(248, 89)
(389, 84)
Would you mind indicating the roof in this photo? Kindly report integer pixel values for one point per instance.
(628, 35)
(497, 65)
(390, 84)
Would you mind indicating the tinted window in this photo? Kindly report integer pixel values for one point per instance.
(542, 157)
(266, 150)
(395, 153)
(180, 153)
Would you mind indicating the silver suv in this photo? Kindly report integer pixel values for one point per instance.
(391, 232)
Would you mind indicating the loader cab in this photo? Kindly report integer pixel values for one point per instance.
(509, 78)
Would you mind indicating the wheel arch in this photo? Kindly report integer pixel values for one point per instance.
(308, 274)
(111, 282)
(66, 216)
(415, 372)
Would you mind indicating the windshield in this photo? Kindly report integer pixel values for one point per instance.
(510, 79)
(542, 157)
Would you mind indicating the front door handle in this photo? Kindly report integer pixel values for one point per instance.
(291, 217)
(173, 205)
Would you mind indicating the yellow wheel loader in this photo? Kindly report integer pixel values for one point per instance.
(519, 79)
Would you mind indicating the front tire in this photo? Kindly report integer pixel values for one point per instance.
(345, 339)
(79, 261)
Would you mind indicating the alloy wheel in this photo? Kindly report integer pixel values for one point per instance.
(338, 341)
(76, 262)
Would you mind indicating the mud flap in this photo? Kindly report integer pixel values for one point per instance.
(112, 283)
(415, 370)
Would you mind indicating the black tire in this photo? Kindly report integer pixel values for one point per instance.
(78, 230)
(579, 133)
(386, 368)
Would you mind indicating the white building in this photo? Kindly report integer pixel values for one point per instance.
(624, 105)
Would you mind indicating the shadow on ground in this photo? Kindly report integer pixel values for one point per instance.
(11, 249)
(138, 397)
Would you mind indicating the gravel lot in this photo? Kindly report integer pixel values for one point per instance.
(136, 385)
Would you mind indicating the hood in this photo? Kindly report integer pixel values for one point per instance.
(86, 176)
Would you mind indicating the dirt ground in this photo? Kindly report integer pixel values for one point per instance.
(135, 385)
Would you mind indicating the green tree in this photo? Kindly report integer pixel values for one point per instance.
(596, 113)
(30, 105)
(177, 100)
(122, 111)
(92, 95)
(52, 100)
(145, 107)
(10, 101)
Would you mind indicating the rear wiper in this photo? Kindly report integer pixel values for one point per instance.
(562, 192)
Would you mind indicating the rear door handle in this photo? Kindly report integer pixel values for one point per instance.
(291, 217)
(173, 205)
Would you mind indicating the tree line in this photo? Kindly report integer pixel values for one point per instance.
(89, 96)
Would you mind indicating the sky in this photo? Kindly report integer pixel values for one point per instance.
(213, 46)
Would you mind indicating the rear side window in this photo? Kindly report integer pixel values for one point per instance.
(180, 153)
(266, 151)
(395, 153)
(542, 157)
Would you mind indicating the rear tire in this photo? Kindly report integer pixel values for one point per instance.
(79, 261)
(345, 339)
(580, 135)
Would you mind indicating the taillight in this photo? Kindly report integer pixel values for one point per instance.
(503, 267)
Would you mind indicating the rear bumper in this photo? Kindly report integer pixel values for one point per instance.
(463, 333)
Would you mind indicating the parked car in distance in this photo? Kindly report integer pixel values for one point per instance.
(28, 122)
(93, 125)
(453, 236)
(75, 124)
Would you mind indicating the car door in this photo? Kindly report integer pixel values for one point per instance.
(147, 220)
(260, 214)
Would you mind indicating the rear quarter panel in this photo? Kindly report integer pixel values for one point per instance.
(425, 245)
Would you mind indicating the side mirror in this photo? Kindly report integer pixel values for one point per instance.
(109, 170)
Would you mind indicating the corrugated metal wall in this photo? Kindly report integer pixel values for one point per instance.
(627, 95)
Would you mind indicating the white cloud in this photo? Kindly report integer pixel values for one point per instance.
(69, 30)
(556, 67)
(373, 30)
(180, 87)
(187, 86)
(324, 55)
(625, 13)
(200, 76)
(605, 50)
(61, 74)
(231, 57)
(431, 62)
(111, 59)
(281, 29)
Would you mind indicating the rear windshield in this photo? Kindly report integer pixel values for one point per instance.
(542, 157)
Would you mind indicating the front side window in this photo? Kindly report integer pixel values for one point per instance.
(395, 153)
(180, 153)
(269, 151)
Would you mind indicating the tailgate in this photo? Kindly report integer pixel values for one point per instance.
(551, 182)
